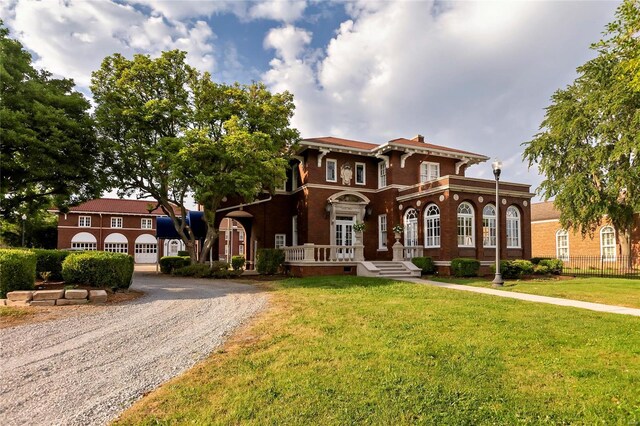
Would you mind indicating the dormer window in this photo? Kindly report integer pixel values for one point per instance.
(429, 171)
(332, 166)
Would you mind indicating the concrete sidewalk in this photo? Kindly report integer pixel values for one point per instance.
(600, 307)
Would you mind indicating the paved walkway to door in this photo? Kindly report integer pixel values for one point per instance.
(600, 307)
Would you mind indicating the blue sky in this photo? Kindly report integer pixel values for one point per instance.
(470, 75)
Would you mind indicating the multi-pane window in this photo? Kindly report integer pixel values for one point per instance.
(226, 235)
(429, 171)
(294, 177)
(84, 221)
(465, 225)
(280, 240)
(411, 228)
(608, 243)
(489, 226)
(117, 247)
(241, 249)
(360, 174)
(432, 226)
(382, 174)
(562, 244)
(332, 171)
(294, 231)
(382, 232)
(513, 227)
(240, 235)
(84, 246)
(116, 222)
(146, 223)
(145, 248)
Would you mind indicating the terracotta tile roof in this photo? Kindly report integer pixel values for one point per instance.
(410, 142)
(117, 205)
(544, 211)
(330, 140)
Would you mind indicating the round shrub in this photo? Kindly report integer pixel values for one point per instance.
(169, 263)
(98, 269)
(237, 262)
(269, 261)
(17, 270)
(219, 265)
(424, 263)
(463, 267)
(197, 270)
(554, 265)
(50, 260)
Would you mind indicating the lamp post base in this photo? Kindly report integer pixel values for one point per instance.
(498, 281)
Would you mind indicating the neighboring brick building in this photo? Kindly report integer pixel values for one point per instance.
(550, 239)
(334, 183)
(231, 240)
(122, 226)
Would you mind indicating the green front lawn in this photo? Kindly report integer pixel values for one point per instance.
(611, 291)
(344, 350)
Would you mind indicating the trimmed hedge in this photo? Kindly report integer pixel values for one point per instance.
(424, 263)
(463, 267)
(169, 263)
(17, 270)
(514, 269)
(237, 262)
(536, 260)
(200, 270)
(554, 265)
(269, 261)
(183, 253)
(98, 269)
(50, 260)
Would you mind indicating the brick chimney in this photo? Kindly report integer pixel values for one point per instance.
(418, 138)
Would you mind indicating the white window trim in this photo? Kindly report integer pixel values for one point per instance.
(426, 228)
(382, 167)
(495, 226)
(240, 235)
(284, 240)
(335, 170)
(602, 247)
(144, 220)
(85, 218)
(473, 226)
(294, 231)
(518, 218)
(382, 241)
(411, 221)
(364, 174)
(425, 165)
(116, 219)
(563, 232)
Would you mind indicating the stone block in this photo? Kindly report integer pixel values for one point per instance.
(48, 294)
(66, 302)
(98, 296)
(17, 303)
(43, 303)
(24, 296)
(76, 294)
(3, 302)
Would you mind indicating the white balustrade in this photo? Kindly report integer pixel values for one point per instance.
(409, 252)
(312, 253)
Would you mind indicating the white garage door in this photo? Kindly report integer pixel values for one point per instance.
(146, 249)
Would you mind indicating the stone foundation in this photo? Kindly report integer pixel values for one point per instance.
(54, 297)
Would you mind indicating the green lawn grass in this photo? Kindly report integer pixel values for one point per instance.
(345, 350)
(10, 311)
(611, 291)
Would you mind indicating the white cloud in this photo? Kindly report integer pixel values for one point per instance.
(472, 75)
(285, 11)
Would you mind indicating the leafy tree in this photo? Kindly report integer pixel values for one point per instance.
(175, 133)
(50, 155)
(589, 145)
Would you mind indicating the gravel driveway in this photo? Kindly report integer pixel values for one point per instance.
(88, 368)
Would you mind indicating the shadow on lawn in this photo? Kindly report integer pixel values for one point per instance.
(336, 282)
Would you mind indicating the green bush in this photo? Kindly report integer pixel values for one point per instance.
(514, 269)
(98, 269)
(463, 267)
(219, 265)
(541, 270)
(554, 265)
(237, 262)
(50, 260)
(424, 263)
(17, 270)
(205, 271)
(183, 253)
(269, 261)
(169, 263)
(536, 260)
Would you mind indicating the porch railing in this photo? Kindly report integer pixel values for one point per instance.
(409, 252)
(323, 253)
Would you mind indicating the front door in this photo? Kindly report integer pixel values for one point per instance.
(344, 237)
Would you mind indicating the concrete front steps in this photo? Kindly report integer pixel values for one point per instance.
(388, 269)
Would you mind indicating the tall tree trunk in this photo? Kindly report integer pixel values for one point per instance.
(212, 232)
(625, 244)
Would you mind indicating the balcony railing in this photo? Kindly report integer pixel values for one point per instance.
(312, 253)
(409, 252)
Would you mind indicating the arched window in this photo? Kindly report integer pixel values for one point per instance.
(562, 244)
(432, 226)
(116, 243)
(513, 227)
(84, 241)
(411, 228)
(466, 228)
(489, 226)
(608, 243)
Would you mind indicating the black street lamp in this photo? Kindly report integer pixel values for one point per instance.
(24, 219)
(497, 168)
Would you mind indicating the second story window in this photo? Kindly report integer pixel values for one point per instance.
(84, 221)
(146, 223)
(240, 235)
(281, 240)
(382, 174)
(360, 174)
(429, 171)
(116, 222)
(332, 167)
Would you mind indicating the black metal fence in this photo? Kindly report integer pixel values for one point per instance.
(599, 266)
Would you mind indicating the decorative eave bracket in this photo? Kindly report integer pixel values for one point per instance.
(404, 157)
(322, 154)
(385, 158)
(461, 163)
